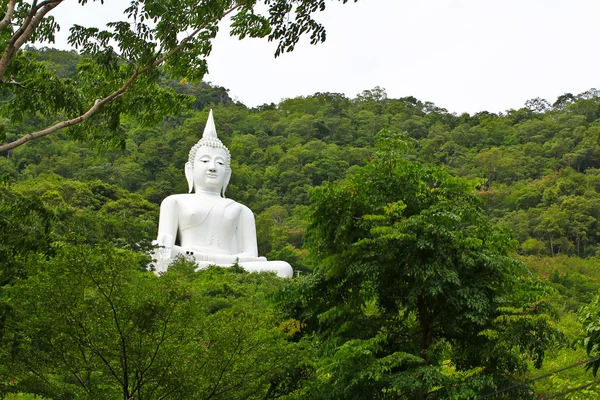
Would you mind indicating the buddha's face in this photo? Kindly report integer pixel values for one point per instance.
(210, 170)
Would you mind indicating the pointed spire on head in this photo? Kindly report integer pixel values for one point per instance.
(210, 130)
(210, 139)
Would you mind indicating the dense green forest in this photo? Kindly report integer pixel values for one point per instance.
(438, 255)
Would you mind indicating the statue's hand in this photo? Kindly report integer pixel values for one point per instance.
(247, 258)
(203, 258)
(224, 259)
(164, 253)
(166, 240)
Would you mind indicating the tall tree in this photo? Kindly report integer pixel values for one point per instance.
(414, 294)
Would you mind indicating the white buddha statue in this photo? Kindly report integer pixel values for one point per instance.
(210, 228)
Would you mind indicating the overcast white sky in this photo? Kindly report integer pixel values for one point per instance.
(463, 55)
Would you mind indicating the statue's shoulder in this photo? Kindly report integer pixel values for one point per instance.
(176, 199)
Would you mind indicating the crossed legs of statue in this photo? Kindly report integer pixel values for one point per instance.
(165, 256)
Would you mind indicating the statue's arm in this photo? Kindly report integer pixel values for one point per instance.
(246, 235)
(167, 222)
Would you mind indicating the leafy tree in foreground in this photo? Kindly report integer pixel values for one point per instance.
(119, 70)
(590, 316)
(24, 231)
(88, 323)
(414, 294)
(25, 234)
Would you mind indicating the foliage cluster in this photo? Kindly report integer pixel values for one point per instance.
(118, 74)
(414, 294)
(91, 323)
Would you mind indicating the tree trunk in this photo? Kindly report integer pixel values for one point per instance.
(426, 337)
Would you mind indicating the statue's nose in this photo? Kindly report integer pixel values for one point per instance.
(212, 169)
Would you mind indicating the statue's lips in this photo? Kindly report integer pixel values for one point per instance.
(212, 175)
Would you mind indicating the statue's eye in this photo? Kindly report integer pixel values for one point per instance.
(220, 163)
(204, 160)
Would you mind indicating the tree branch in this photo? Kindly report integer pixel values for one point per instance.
(154, 355)
(17, 84)
(10, 10)
(35, 22)
(224, 368)
(44, 3)
(122, 336)
(100, 102)
(87, 341)
(72, 370)
(21, 36)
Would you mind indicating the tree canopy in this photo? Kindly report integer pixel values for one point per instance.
(88, 323)
(413, 293)
(120, 66)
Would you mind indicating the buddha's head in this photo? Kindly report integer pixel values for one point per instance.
(208, 165)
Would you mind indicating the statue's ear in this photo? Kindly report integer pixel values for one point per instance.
(226, 182)
(189, 175)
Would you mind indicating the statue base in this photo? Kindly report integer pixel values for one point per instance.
(164, 258)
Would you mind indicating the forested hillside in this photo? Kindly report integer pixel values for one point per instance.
(539, 166)
(530, 197)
